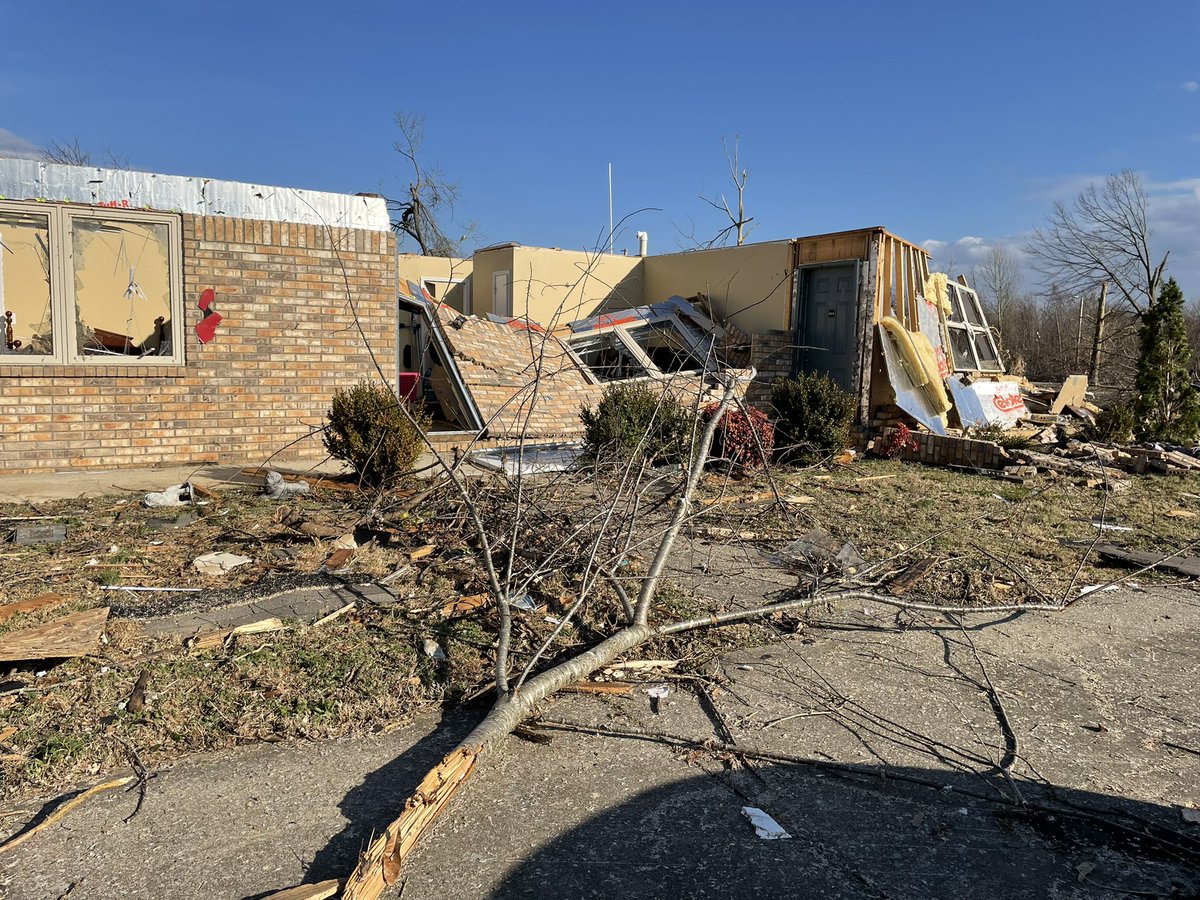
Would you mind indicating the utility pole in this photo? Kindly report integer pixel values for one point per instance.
(1094, 368)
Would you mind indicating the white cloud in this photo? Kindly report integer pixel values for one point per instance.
(1174, 213)
(13, 145)
(1191, 85)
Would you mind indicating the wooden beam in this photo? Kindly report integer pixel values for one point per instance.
(67, 636)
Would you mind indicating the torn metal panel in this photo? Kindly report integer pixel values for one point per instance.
(910, 384)
(31, 179)
(532, 459)
(985, 403)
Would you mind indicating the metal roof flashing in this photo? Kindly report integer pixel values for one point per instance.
(32, 179)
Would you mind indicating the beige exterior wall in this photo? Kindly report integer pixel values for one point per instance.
(750, 285)
(560, 286)
(441, 270)
(486, 264)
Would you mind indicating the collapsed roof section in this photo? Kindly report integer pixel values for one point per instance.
(511, 377)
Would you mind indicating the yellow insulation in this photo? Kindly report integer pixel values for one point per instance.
(917, 353)
(936, 293)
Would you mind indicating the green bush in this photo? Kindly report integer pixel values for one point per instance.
(812, 416)
(636, 418)
(368, 429)
(1113, 425)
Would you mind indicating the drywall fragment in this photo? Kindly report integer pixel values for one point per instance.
(278, 489)
(218, 563)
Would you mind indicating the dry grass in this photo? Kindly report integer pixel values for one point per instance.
(366, 669)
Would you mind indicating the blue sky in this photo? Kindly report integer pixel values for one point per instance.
(951, 122)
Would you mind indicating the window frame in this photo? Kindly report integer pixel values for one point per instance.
(960, 295)
(67, 352)
(620, 332)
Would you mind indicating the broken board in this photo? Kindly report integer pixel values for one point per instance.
(68, 636)
(1183, 565)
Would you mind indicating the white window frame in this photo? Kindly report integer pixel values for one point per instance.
(959, 321)
(62, 284)
(621, 333)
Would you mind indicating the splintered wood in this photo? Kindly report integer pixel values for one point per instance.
(8, 610)
(67, 636)
(380, 864)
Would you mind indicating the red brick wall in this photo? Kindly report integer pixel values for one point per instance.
(287, 341)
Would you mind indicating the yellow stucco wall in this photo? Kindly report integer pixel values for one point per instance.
(440, 269)
(560, 286)
(749, 285)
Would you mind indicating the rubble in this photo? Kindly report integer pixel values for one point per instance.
(278, 489)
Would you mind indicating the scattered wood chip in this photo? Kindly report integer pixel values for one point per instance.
(62, 638)
(320, 891)
(6, 733)
(214, 639)
(422, 552)
(137, 697)
(910, 576)
(337, 613)
(1172, 514)
(464, 604)
(599, 687)
(8, 610)
(338, 558)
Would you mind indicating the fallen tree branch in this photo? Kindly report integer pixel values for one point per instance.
(60, 813)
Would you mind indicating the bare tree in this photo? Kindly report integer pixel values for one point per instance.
(737, 228)
(998, 279)
(428, 210)
(1102, 235)
(73, 153)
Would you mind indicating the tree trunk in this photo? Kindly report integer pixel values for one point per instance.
(1098, 338)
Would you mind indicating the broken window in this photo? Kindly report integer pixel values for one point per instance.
(608, 356)
(79, 284)
(665, 346)
(639, 349)
(971, 341)
(25, 312)
(122, 287)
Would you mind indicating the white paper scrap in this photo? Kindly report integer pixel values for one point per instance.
(764, 826)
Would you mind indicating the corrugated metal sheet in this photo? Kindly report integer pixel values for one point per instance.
(31, 179)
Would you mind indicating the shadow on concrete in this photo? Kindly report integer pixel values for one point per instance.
(373, 804)
(859, 835)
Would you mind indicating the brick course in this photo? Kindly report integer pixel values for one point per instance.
(287, 340)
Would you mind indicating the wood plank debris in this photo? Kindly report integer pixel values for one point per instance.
(8, 610)
(621, 688)
(214, 639)
(910, 576)
(321, 891)
(68, 636)
(1177, 562)
(422, 552)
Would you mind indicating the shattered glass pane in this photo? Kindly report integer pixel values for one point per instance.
(26, 323)
(122, 287)
(986, 352)
(955, 303)
(607, 357)
(960, 348)
(970, 302)
(665, 346)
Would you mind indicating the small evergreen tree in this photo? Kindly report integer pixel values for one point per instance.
(1167, 407)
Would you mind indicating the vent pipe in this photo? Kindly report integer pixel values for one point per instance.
(643, 243)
